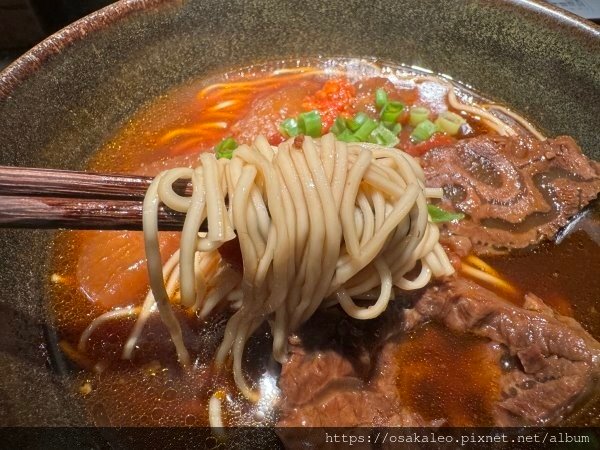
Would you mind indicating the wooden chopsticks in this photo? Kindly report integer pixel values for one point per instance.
(47, 198)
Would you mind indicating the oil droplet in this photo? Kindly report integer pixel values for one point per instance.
(157, 413)
(190, 420)
(169, 395)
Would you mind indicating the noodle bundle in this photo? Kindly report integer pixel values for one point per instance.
(318, 221)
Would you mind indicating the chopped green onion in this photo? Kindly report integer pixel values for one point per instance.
(383, 136)
(338, 126)
(394, 127)
(347, 136)
(381, 98)
(309, 123)
(365, 130)
(417, 115)
(356, 122)
(225, 148)
(289, 127)
(391, 111)
(449, 122)
(423, 131)
(438, 214)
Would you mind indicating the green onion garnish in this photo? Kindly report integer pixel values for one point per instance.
(338, 126)
(356, 122)
(449, 122)
(438, 214)
(365, 130)
(396, 129)
(423, 131)
(391, 111)
(347, 136)
(417, 115)
(309, 123)
(289, 127)
(381, 98)
(383, 136)
(225, 148)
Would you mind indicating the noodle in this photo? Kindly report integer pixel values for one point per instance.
(170, 267)
(314, 224)
(518, 119)
(215, 419)
(118, 313)
(157, 281)
(491, 279)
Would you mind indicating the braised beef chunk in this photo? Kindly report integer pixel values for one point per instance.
(351, 406)
(332, 346)
(326, 380)
(557, 361)
(546, 363)
(515, 191)
(307, 373)
(465, 306)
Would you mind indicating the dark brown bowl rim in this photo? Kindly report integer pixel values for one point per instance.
(31, 61)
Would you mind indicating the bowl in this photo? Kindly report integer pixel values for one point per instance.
(60, 101)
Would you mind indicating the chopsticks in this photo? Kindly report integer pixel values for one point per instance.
(49, 199)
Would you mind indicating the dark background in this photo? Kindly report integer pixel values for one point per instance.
(24, 23)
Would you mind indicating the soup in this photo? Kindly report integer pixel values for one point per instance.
(384, 370)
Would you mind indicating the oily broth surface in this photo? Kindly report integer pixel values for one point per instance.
(153, 389)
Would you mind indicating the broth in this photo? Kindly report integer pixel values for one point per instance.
(442, 374)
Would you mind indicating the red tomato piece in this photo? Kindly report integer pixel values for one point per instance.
(112, 266)
(333, 99)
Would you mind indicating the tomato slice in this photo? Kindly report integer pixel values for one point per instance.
(111, 269)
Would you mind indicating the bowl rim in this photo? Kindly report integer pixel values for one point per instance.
(31, 61)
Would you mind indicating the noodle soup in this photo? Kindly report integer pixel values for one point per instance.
(101, 272)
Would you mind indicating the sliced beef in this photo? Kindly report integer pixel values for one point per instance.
(326, 380)
(333, 346)
(308, 373)
(515, 191)
(349, 405)
(342, 372)
(556, 362)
